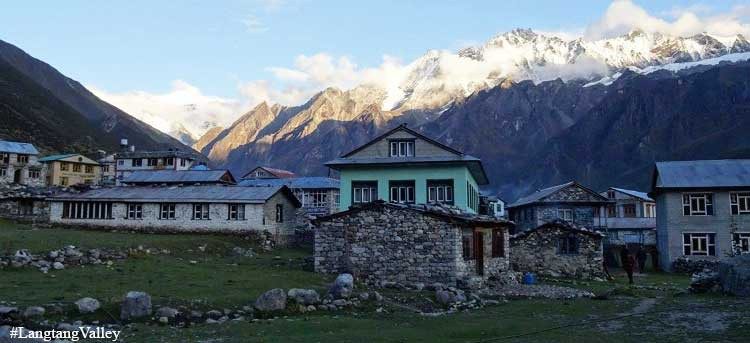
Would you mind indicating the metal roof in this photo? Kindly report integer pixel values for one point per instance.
(702, 174)
(310, 182)
(18, 148)
(280, 173)
(156, 154)
(83, 159)
(179, 176)
(474, 164)
(637, 194)
(208, 193)
(543, 193)
(402, 127)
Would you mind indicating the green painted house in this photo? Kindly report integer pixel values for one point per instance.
(404, 166)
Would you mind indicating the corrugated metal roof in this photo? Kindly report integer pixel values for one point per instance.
(309, 182)
(208, 193)
(702, 174)
(157, 154)
(178, 176)
(474, 164)
(55, 157)
(18, 148)
(538, 195)
(637, 194)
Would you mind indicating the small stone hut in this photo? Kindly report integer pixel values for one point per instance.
(403, 243)
(558, 249)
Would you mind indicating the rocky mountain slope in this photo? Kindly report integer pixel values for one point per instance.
(45, 107)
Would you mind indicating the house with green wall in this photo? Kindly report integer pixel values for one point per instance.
(404, 166)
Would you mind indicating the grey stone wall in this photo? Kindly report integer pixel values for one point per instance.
(401, 245)
(33, 164)
(537, 252)
(12, 209)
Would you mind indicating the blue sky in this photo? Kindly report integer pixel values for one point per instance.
(152, 57)
(144, 45)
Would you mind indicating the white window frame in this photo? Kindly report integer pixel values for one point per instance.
(134, 211)
(691, 199)
(649, 210)
(168, 211)
(403, 194)
(742, 245)
(401, 148)
(363, 195)
(737, 200)
(695, 237)
(236, 211)
(201, 211)
(561, 213)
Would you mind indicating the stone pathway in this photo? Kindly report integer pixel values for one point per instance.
(541, 291)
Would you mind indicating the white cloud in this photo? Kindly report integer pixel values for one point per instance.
(623, 16)
(183, 104)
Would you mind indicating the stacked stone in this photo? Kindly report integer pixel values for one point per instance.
(537, 251)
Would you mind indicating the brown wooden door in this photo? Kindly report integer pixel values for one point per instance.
(479, 251)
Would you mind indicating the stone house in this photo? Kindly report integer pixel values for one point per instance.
(19, 164)
(210, 208)
(404, 166)
(570, 202)
(71, 169)
(130, 161)
(702, 209)
(179, 177)
(631, 219)
(558, 249)
(319, 195)
(268, 173)
(409, 243)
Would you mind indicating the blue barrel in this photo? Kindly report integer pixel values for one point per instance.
(529, 279)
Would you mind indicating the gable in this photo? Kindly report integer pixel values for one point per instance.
(79, 159)
(380, 147)
(574, 193)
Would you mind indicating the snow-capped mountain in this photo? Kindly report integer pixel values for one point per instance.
(439, 77)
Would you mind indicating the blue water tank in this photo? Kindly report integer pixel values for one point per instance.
(529, 279)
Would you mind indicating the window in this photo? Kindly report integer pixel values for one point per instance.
(472, 197)
(740, 203)
(741, 242)
(650, 210)
(169, 161)
(697, 204)
(105, 168)
(137, 162)
(120, 162)
(76, 168)
(628, 210)
(498, 243)
(702, 244)
(611, 211)
(87, 210)
(34, 174)
(279, 213)
(182, 162)
(89, 169)
(364, 191)
(152, 162)
(200, 212)
(315, 198)
(5, 158)
(610, 194)
(467, 247)
(167, 211)
(567, 245)
(336, 198)
(3, 172)
(63, 181)
(565, 214)
(402, 148)
(402, 191)
(440, 191)
(236, 212)
(63, 166)
(22, 158)
(135, 211)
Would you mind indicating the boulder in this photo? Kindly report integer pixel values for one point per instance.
(304, 296)
(273, 300)
(167, 312)
(704, 281)
(33, 311)
(135, 305)
(6, 310)
(87, 305)
(58, 266)
(734, 275)
(342, 287)
(214, 314)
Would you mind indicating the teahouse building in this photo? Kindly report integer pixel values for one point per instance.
(71, 169)
(18, 164)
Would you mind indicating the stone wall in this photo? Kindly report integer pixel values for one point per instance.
(36, 210)
(401, 245)
(537, 251)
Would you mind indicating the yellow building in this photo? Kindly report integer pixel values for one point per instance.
(71, 169)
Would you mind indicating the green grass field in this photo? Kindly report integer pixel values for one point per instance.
(219, 280)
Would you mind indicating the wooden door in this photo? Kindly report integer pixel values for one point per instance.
(479, 251)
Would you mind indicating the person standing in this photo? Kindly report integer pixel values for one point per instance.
(628, 263)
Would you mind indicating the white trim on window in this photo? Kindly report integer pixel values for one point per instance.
(697, 204)
(699, 243)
